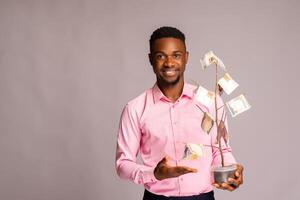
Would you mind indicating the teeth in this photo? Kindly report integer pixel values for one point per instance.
(170, 72)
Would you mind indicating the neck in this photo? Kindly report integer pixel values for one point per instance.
(172, 92)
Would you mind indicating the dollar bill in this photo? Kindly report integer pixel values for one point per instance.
(238, 105)
(204, 96)
(193, 151)
(222, 133)
(210, 58)
(207, 122)
(227, 84)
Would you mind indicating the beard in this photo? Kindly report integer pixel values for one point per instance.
(167, 83)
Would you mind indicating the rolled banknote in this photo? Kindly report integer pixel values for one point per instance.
(204, 96)
(227, 84)
(207, 122)
(210, 58)
(222, 133)
(193, 151)
(238, 105)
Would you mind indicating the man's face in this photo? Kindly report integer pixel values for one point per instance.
(168, 58)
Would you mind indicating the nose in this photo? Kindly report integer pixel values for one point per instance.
(169, 62)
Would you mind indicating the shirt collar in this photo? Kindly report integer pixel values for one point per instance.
(188, 91)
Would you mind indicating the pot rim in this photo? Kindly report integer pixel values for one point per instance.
(231, 167)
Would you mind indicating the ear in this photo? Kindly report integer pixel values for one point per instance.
(186, 57)
(150, 58)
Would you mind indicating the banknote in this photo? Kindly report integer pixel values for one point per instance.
(210, 58)
(207, 122)
(204, 96)
(227, 84)
(238, 105)
(193, 151)
(222, 133)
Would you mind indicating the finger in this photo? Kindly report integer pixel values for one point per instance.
(184, 170)
(235, 182)
(227, 187)
(241, 167)
(239, 175)
(193, 170)
(239, 170)
(216, 185)
(163, 161)
(178, 171)
(240, 179)
(167, 157)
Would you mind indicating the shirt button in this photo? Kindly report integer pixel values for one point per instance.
(181, 179)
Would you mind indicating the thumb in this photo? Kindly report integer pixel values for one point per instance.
(165, 159)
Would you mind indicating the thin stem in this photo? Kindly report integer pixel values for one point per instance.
(216, 109)
(212, 146)
(220, 107)
(200, 108)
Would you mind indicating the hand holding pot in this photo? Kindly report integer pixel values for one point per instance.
(164, 171)
(233, 183)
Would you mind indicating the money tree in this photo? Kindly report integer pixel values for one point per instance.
(209, 99)
(235, 106)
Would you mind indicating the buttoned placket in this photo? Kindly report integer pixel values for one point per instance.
(174, 123)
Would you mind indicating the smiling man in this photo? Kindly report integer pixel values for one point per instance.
(157, 125)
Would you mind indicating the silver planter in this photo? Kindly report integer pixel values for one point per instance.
(221, 174)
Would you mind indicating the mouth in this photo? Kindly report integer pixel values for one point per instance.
(169, 72)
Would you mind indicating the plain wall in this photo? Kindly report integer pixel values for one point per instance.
(67, 68)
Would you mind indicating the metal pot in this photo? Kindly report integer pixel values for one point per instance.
(221, 174)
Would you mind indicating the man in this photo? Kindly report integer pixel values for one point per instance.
(160, 122)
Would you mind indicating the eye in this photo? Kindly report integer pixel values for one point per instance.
(177, 56)
(160, 57)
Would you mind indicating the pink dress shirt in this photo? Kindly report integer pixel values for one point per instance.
(154, 127)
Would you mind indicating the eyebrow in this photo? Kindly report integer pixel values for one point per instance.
(156, 52)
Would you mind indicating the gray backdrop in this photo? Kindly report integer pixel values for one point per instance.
(67, 68)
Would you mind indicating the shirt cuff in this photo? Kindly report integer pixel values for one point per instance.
(148, 176)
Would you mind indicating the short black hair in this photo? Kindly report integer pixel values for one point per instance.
(165, 32)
